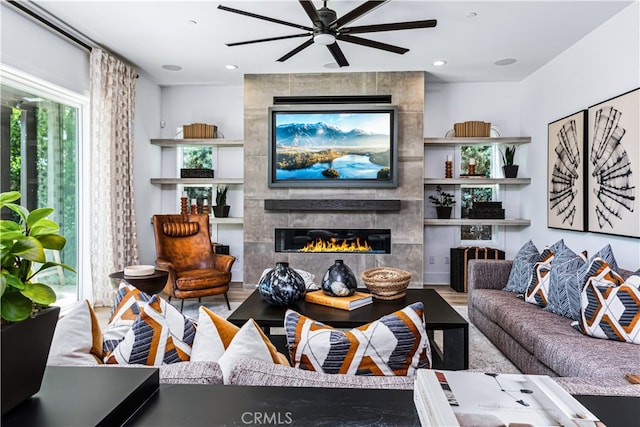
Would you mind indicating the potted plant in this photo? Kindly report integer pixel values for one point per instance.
(509, 168)
(27, 320)
(221, 209)
(444, 203)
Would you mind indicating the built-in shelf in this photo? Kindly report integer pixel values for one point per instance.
(477, 141)
(196, 181)
(509, 222)
(317, 205)
(193, 142)
(229, 220)
(477, 181)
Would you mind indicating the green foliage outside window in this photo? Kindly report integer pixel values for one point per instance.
(55, 165)
(197, 158)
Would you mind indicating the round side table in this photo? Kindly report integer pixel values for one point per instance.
(151, 284)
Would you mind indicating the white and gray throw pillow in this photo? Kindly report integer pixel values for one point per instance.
(522, 268)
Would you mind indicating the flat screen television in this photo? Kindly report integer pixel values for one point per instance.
(333, 146)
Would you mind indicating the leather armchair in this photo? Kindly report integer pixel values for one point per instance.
(184, 249)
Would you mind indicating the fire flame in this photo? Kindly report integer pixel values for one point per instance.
(332, 245)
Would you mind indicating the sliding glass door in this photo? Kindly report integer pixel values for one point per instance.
(39, 158)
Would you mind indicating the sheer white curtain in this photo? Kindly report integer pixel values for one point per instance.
(113, 234)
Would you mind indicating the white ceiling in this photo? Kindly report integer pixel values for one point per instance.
(150, 34)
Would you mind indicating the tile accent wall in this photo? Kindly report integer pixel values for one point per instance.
(407, 91)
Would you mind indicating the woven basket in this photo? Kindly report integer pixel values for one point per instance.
(386, 283)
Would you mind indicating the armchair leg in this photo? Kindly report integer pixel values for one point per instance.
(226, 298)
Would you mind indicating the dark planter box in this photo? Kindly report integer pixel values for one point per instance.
(25, 349)
(459, 259)
(196, 173)
(221, 211)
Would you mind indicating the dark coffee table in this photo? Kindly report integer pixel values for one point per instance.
(225, 405)
(439, 315)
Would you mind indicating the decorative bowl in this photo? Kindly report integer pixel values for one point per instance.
(386, 283)
(139, 270)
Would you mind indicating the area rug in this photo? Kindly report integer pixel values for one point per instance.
(483, 355)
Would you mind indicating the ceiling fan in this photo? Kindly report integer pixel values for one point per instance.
(328, 28)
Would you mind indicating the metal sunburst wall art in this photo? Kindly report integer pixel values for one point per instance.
(566, 173)
(613, 165)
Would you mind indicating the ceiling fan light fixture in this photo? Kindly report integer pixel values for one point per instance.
(324, 39)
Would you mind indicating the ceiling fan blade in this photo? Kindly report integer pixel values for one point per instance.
(296, 50)
(338, 55)
(308, 7)
(264, 18)
(268, 39)
(372, 43)
(429, 23)
(358, 12)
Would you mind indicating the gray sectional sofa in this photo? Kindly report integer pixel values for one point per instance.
(544, 343)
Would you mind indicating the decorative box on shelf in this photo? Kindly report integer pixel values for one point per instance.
(196, 173)
(486, 210)
(199, 130)
(472, 129)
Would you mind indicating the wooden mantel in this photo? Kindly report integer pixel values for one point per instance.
(331, 205)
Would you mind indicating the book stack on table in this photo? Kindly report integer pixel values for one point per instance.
(357, 300)
(456, 398)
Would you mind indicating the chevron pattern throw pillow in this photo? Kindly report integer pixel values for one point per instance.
(610, 306)
(125, 311)
(160, 335)
(395, 344)
(538, 290)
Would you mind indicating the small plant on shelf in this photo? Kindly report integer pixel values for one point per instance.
(444, 203)
(221, 195)
(442, 199)
(509, 168)
(221, 209)
(508, 155)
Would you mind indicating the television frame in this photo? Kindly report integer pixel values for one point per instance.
(392, 182)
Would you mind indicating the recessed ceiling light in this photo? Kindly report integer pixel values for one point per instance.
(439, 63)
(231, 67)
(506, 61)
(471, 15)
(170, 67)
(193, 21)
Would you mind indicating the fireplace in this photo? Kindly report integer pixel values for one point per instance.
(333, 240)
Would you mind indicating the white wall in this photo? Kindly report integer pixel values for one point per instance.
(35, 50)
(604, 64)
(146, 163)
